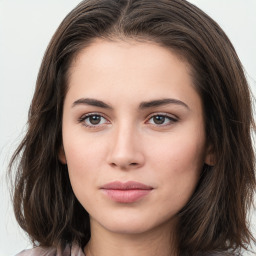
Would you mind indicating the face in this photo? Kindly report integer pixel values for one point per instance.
(133, 134)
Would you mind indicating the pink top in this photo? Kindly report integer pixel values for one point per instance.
(73, 250)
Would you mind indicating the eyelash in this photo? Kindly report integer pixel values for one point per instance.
(165, 116)
(91, 126)
(83, 118)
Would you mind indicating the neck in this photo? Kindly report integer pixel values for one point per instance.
(159, 241)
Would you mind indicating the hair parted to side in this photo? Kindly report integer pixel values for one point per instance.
(215, 219)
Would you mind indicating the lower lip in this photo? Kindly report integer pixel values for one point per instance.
(126, 196)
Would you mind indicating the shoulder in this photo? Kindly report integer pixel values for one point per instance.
(38, 251)
(217, 254)
(73, 250)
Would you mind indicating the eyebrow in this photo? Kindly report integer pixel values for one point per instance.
(143, 105)
(162, 102)
(91, 102)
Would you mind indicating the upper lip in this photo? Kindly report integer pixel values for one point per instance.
(130, 185)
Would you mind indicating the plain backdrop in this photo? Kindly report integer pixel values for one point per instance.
(26, 27)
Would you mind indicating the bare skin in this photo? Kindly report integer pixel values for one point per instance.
(131, 114)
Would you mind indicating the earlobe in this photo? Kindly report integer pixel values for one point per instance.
(62, 156)
(210, 158)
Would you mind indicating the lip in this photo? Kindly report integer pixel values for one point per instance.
(128, 192)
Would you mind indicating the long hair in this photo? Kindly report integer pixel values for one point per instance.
(215, 218)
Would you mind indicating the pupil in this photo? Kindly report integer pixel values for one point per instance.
(159, 119)
(94, 119)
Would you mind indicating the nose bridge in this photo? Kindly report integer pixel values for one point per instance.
(126, 151)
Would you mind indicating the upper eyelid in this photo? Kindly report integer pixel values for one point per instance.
(163, 114)
(147, 117)
(83, 117)
(82, 120)
(94, 113)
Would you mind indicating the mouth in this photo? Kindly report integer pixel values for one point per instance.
(128, 192)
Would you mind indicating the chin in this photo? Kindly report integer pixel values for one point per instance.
(129, 228)
(131, 225)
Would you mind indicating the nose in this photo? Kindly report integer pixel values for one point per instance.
(126, 150)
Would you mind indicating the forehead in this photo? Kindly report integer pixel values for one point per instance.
(114, 69)
(106, 53)
(129, 59)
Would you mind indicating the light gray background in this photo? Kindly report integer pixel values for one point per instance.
(26, 27)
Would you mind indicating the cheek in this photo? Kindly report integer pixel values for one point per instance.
(81, 161)
(178, 164)
(82, 150)
(86, 155)
(180, 154)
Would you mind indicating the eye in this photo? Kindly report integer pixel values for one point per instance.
(161, 120)
(93, 120)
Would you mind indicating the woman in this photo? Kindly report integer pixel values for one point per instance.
(139, 136)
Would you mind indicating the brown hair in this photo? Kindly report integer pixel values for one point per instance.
(215, 219)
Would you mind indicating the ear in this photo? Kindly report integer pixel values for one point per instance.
(62, 156)
(210, 158)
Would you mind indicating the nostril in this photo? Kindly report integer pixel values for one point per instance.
(133, 163)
